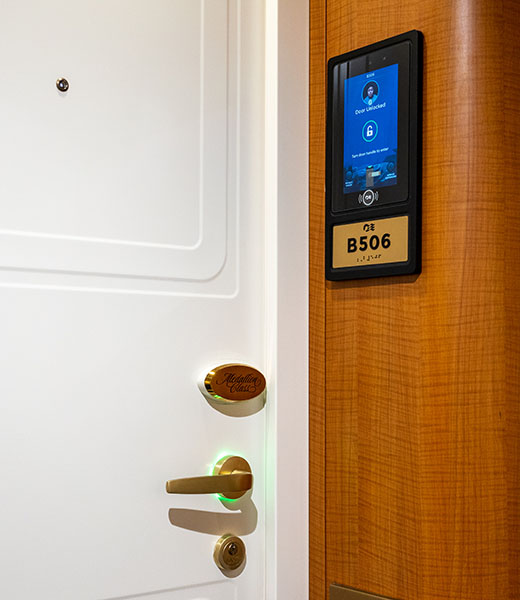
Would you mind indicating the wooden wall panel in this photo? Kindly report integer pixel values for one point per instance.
(317, 549)
(422, 377)
(511, 155)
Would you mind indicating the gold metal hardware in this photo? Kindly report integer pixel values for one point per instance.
(375, 242)
(229, 553)
(62, 84)
(231, 478)
(339, 592)
(233, 383)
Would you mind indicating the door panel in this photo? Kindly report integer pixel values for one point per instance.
(132, 253)
(134, 182)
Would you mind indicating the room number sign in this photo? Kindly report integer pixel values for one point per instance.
(375, 242)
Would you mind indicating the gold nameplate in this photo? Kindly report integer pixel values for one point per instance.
(375, 242)
(233, 383)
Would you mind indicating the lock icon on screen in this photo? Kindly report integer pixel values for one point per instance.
(369, 131)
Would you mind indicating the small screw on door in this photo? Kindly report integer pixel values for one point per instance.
(62, 84)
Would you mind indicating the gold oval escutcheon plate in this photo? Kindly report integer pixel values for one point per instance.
(233, 383)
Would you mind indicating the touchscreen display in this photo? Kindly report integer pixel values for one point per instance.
(370, 130)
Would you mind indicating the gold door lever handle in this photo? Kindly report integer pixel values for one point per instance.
(231, 478)
(211, 484)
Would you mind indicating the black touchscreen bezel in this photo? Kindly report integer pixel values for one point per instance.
(406, 199)
(365, 63)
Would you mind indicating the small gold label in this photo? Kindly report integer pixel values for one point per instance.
(374, 242)
(233, 383)
(339, 592)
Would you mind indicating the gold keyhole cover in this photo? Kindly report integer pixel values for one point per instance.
(229, 553)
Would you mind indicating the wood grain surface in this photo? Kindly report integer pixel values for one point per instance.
(415, 383)
(317, 83)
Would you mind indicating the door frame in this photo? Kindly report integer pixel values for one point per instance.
(286, 192)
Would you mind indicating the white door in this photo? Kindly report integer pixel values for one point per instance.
(132, 259)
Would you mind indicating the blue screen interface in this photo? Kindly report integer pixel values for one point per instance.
(370, 139)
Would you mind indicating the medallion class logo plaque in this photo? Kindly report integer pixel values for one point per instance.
(233, 382)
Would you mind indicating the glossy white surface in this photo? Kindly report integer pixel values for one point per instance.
(211, 591)
(104, 330)
(287, 242)
(126, 173)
